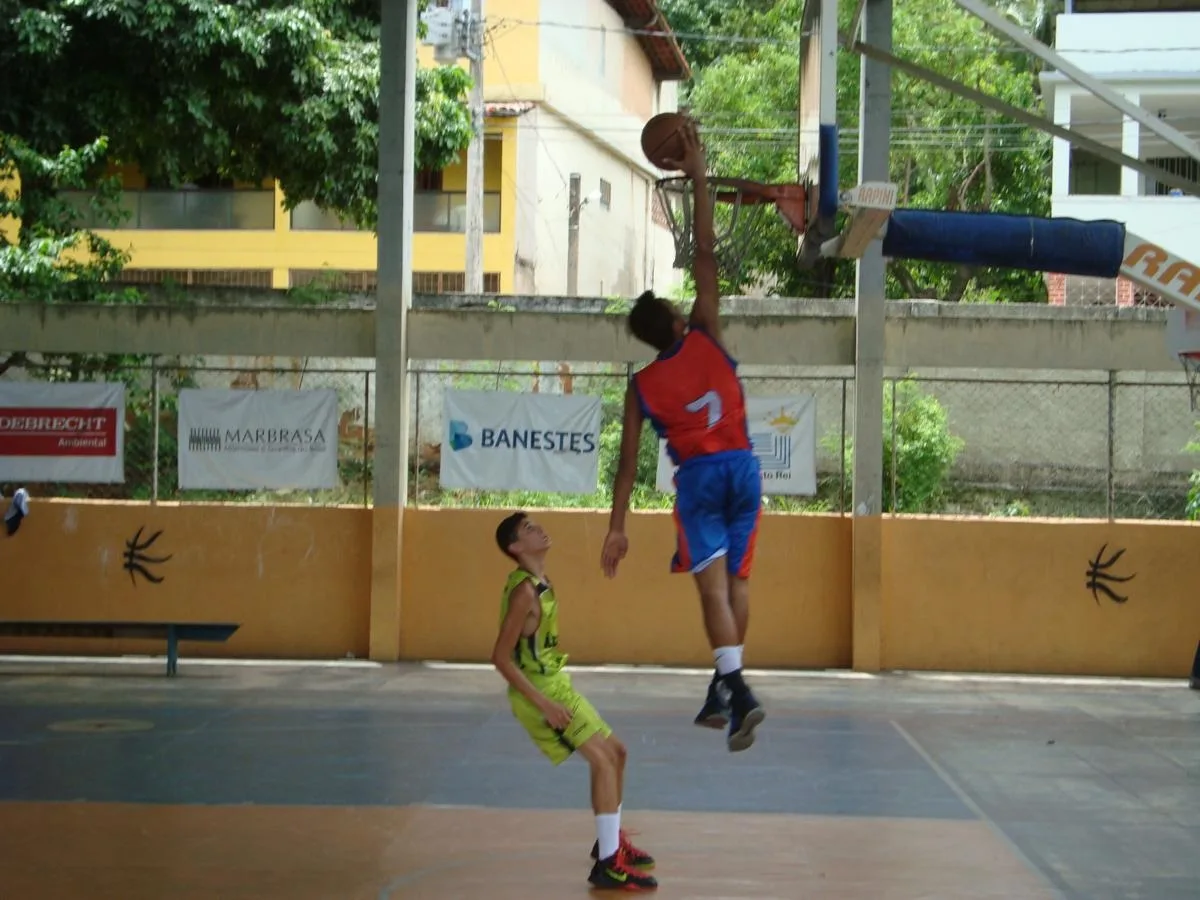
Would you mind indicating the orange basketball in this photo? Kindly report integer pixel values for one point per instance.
(661, 138)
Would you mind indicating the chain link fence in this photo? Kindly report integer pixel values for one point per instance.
(981, 443)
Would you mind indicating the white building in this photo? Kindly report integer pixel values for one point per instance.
(1149, 50)
(604, 67)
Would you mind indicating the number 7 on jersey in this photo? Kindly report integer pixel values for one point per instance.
(710, 401)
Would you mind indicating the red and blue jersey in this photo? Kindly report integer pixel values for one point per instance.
(692, 396)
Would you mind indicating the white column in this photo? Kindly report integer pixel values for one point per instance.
(1131, 141)
(1060, 184)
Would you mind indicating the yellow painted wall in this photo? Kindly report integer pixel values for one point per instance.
(1011, 596)
(510, 65)
(800, 600)
(298, 579)
(971, 595)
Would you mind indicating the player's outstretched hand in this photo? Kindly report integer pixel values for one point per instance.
(557, 716)
(616, 545)
(693, 164)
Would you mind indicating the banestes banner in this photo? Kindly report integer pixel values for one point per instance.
(62, 432)
(535, 442)
(258, 440)
(783, 434)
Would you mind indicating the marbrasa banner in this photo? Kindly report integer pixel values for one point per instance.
(62, 432)
(783, 435)
(250, 440)
(498, 440)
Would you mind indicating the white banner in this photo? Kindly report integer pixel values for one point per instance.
(783, 433)
(506, 441)
(62, 432)
(250, 440)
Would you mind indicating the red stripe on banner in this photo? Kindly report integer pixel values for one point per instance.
(57, 431)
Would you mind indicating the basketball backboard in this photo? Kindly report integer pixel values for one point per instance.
(818, 142)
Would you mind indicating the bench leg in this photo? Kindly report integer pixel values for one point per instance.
(172, 651)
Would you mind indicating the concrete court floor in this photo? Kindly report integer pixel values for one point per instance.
(412, 781)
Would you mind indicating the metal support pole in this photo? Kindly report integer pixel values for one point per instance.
(875, 112)
(842, 454)
(575, 200)
(894, 451)
(475, 153)
(1110, 463)
(397, 139)
(367, 438)
(155, 411)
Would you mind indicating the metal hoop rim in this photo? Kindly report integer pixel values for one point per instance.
(742, 191)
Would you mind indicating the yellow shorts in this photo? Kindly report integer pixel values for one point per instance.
(585, 721)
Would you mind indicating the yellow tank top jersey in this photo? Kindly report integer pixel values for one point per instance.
(537, 654)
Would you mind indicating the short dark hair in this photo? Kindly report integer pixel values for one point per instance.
(652, 321)
(508, 531)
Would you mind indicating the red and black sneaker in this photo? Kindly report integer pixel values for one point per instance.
(616, 874)
(635, 857)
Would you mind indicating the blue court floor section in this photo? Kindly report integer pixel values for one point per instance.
(1095, 785)
(824, 765)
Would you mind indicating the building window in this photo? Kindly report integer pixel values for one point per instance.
(1183, 166)
(1092, 176)
(434, 211)
(186, 209)
(605, 194)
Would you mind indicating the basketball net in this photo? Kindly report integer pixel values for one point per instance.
(739, 216)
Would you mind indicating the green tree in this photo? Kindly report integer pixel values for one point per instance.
(191, 89)
(919, 450)
(946, 153)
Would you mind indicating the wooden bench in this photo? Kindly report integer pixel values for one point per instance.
(172, 632)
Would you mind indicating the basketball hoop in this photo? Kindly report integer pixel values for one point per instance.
(1191, 368)
(738, 215)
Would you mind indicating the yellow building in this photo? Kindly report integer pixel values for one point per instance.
(567, 87)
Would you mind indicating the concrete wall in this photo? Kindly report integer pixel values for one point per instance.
(971, 595)
(810, 333)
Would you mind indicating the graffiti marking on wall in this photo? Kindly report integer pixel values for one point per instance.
(1098, 574)
(136, 559)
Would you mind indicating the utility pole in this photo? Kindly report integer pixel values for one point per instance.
(474, 34)
(573, 235)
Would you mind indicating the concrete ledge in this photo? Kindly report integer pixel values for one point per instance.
(187, 330)
(810, 333)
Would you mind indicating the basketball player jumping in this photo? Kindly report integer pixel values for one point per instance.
(558, 718)
(692, 396)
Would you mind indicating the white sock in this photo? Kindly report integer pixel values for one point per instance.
(608, 833)
(729, 659)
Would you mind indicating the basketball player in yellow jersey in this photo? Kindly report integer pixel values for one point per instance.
(559, 719)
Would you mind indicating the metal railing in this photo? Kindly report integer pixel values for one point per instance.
(433, 212)
(186, 210)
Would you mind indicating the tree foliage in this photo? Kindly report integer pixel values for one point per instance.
(194, 89)
(946, 152)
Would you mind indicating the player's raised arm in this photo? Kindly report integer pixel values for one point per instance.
(706, 310)
(615, 543)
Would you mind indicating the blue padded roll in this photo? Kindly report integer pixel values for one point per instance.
(1066, 246)
(827, 193)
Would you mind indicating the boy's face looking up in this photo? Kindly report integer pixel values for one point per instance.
(531, 539)
(518, 535)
